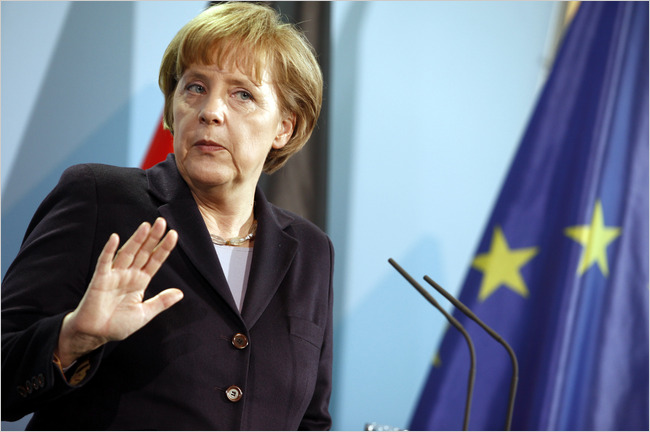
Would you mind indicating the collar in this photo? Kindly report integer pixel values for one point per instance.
(274, 250)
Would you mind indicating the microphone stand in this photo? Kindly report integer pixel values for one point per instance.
(496, 336)
(455, 323)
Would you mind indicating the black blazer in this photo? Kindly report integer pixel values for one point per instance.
(175, 372)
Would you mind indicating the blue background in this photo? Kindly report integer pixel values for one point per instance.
(428, 102)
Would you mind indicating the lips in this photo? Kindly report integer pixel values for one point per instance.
(207, 145)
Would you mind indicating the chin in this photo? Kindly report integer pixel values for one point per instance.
(211, 179)
(206, 174)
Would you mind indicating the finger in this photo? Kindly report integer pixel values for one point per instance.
(126, 254)
(161, 252)
(105, 260)
(161, 302)
(155, 234)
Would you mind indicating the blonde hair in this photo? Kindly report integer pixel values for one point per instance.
(251, 37)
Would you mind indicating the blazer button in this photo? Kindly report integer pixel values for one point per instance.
(22, 391)
(234, 393)
(240, 341)
(28, 386)
(41, 380)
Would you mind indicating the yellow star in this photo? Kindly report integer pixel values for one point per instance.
(500, 266)
(595, 238)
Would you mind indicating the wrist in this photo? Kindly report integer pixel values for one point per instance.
(73, 344)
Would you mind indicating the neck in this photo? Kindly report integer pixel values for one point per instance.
(227, 216)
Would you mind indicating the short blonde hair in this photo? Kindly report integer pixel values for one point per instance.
(252, 37)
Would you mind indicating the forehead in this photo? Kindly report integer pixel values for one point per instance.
(229, 55)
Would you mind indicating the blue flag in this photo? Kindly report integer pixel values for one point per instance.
(561, 271)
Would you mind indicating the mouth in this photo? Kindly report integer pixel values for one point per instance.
(208, 146)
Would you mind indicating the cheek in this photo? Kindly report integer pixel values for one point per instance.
(180, 120)
(174, 118)
(178, 133)
(179, 108)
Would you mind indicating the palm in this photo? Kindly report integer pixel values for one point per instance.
(115, 300)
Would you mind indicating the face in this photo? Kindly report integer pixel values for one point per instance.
(225, 124)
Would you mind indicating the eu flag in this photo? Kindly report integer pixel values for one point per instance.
(561, 271)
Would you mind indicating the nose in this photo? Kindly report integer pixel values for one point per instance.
(213, 110)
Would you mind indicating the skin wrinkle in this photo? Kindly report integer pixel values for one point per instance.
(222, 139)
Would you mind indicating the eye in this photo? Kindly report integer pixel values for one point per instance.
(196, 88)
(243, 95)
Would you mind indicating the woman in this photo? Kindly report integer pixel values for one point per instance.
(216, 313)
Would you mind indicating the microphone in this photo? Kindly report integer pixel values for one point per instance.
(513, 358)
(455, 323)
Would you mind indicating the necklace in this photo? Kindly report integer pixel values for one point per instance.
(236, 241)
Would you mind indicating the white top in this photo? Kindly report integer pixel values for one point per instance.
(236, 265)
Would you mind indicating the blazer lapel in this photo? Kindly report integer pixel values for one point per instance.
(182, 214)
(275, 249)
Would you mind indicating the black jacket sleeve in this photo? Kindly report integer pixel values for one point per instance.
(45, 282)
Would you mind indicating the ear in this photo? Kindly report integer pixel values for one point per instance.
(285, 131)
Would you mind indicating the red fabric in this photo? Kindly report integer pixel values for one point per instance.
(161, 145)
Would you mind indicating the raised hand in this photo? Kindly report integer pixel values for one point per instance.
(112, 307)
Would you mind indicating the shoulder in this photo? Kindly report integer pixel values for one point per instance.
(276, 218)
(80, 195)
(308, 234)
(102, 173)
(103, 180)
(83, 183)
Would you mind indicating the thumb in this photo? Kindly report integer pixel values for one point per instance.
(161, 302)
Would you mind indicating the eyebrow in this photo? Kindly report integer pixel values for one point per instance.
(192, 74)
